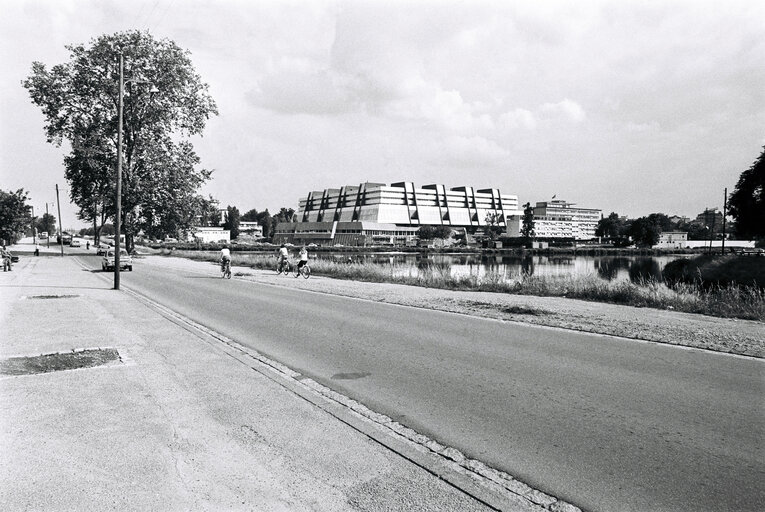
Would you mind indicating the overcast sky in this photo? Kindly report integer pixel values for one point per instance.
(627, 106)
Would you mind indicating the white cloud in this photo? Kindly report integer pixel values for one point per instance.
(568, 109)
(518, 118)
(473, 151)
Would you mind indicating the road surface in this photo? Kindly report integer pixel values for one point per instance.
(604, 423)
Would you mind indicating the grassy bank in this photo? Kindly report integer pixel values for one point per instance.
(731, 301)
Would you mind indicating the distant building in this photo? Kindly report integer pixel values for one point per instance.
(677, 219)
(250, 229)
(672, 240)
(209, 234)
(711, 218)
(560, 219)
(372, 213)
(356, 233)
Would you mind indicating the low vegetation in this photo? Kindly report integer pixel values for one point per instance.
(724, 300)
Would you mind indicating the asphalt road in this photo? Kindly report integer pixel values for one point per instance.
(607, 424)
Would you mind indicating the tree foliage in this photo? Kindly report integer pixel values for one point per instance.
(645, 231)
(232, 222)
(80, 101)
(15, 216)
(250, 216)
(747, 202)
(493, 226)
(46, 223)
(206, 211)
(431, 232)
(527, 228)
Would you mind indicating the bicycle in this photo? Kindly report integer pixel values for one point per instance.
(304, 271)
(226, 271)
(285, 266)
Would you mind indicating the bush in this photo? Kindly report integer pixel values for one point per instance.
(720, 271)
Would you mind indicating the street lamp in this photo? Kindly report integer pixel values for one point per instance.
(119, 173)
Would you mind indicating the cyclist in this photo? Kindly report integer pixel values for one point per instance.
(225, 257)
(303, 259)
(282, 257)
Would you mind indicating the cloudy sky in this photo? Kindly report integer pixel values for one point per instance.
(627, 106)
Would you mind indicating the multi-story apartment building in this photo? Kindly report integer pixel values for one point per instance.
(393, 211)
(560, 219)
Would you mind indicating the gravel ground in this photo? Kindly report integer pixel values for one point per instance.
(743, 337)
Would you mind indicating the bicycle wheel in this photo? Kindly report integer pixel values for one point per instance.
(228, 272)
(306, 271)
(295, 271)
(279, 268)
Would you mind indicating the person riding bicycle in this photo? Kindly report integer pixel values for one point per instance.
(225, 257)
(303, 259)
(282, 257)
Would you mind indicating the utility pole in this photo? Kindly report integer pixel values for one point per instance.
(60, 229)
(119, 184)
(34, 226)
(725, 214)
(47, 221)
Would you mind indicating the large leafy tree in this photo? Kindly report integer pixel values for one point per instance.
(165, 102)
(15, 215)
(645, 231)
(747, 202)
(46, 223)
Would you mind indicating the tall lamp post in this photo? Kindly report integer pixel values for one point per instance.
(118, 217)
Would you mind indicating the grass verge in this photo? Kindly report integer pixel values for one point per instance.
(728, 301)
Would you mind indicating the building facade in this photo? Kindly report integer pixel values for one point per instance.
(250, 229)
(560, 219)
(672, 240)
(403, 204)
(380, 213)
(209, 234)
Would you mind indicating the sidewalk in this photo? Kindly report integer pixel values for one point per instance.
(176, 423)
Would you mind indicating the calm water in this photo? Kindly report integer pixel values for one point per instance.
(609, 268)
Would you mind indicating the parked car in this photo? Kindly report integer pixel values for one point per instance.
(75, 243)
(126, 262)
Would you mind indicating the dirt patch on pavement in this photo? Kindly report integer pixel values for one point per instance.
(57, 362)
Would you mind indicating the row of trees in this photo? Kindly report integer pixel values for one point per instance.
(746, 206)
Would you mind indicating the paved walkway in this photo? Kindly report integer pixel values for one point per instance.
(177, 423)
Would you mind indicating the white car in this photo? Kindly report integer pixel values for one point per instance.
(75, 243)
(126, 262)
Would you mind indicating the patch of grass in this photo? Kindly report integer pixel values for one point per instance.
(523, 310)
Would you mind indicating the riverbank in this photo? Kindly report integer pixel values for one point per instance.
(729, 301)
(673, 327)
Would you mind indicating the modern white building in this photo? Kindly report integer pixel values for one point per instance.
(558, 218)
(374, 212)
(404, 204)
